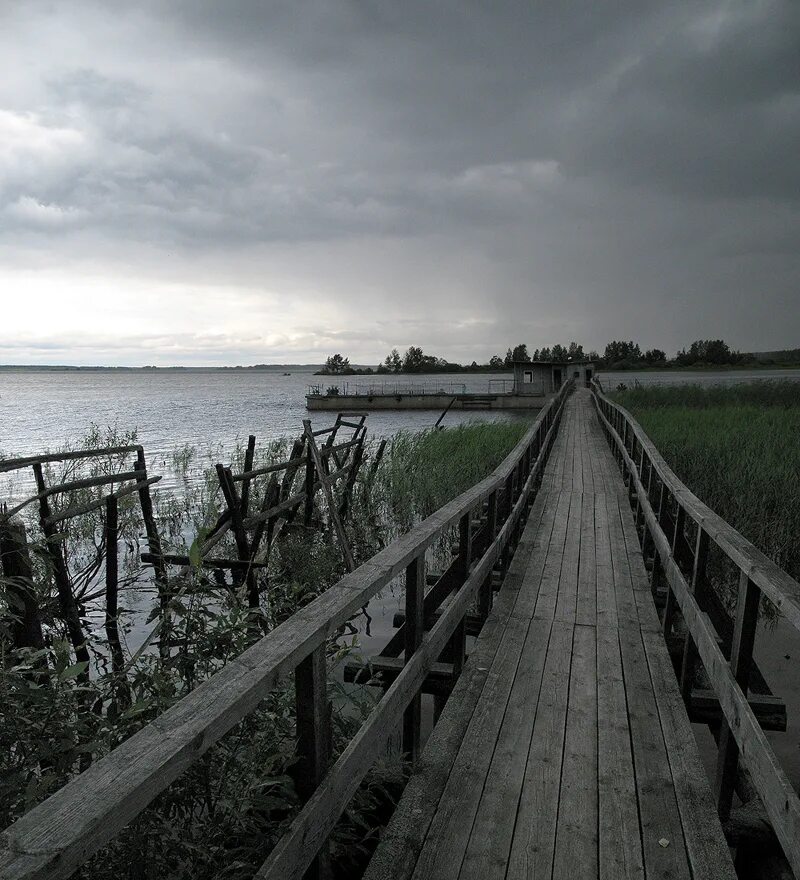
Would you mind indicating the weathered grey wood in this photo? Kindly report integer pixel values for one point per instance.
(620, 845)
(741, 660)
(333, 511)
(780, 800)
(535, 832)
(66, 597)
(450, 828)
(313, 738)
(15, 567)
(55, 837)
(79, 509)
(709, 855)
(414, 632)
(577, 828)
(12, 464)
(492, 831)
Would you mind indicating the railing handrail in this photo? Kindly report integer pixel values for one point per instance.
(782, 589)
(62, 832)
(740, 732)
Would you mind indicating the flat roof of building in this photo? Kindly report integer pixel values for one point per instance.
(575, 363)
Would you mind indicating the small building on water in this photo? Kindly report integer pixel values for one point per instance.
(543, 378)
(535, 382)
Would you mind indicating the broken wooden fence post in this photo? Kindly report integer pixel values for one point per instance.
(313, 737)
(15, 567)
(414, 631)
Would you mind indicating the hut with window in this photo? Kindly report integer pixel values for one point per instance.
(543, 378)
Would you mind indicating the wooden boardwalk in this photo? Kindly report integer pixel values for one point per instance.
(565, 750)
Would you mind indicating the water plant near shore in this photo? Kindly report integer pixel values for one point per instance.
(737, 448)
(223, 815)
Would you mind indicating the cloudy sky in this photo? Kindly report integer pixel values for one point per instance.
(202, 182)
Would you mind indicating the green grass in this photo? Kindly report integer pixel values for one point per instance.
(738, 449)
(423, 471)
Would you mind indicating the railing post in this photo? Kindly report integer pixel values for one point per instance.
(15, 566)
(690, 655)
(459, 640)
(313, 738)
(414, 632)
(741, 661)
(670, 606)
(309, 484)
(485, 595)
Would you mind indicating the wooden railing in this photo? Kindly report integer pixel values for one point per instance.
(57, 836)
(679, 531)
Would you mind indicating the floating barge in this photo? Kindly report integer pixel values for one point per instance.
(534, 384)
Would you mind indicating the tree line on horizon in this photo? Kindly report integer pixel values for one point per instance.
(618, 355)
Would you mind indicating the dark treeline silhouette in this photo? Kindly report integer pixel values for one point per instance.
(618, 355)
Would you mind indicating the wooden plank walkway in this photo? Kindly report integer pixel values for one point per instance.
(565, 750)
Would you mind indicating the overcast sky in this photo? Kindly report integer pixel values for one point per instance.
(201, 182)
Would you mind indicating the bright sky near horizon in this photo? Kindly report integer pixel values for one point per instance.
(206, 183)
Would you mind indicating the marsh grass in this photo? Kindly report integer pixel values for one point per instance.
(222, 816)
(738, 449)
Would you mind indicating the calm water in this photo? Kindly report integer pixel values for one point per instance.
(212, 410)
(40, 411)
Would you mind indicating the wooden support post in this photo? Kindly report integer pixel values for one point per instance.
(486, 594)
(66, 599)
(310, 483)
(151, 530)
(328, 492)
(414, 632)
(121, 690)
(671, 604)
(741, 661)
(458, 642)
(698, 586)
(313, 738)
(249, 458)
(240, 536)
(15, 566)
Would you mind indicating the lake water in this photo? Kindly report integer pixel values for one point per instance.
(212, 410)
(207, 409)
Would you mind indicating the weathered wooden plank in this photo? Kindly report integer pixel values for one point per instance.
(449, 832)
(402, 841)
(492, 831)
(586, 610)
(620, 844)
(535, 832)
(658, 808)
(709, 855)
(577, 828)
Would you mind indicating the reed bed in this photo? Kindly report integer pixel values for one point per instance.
(738, 449)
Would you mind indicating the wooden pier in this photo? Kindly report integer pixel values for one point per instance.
(565, 750)
(562, 746)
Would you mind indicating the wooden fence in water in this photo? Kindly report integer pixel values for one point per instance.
(57, 836)
(678, 532)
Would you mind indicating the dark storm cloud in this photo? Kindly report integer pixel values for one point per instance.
(600, 168)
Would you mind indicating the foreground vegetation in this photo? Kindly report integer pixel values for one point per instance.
(737, 449)
(222, 817)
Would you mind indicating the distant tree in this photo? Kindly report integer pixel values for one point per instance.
(545, 354)
(336, 364)
(559, 353)
(594, 356)
(710, 351)
(496, 362)
(509, 359)
(622, 353)
(654, 356)
(520, 353)
(535, 356)
(575, 352)
(413, 360)
(393, 362)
